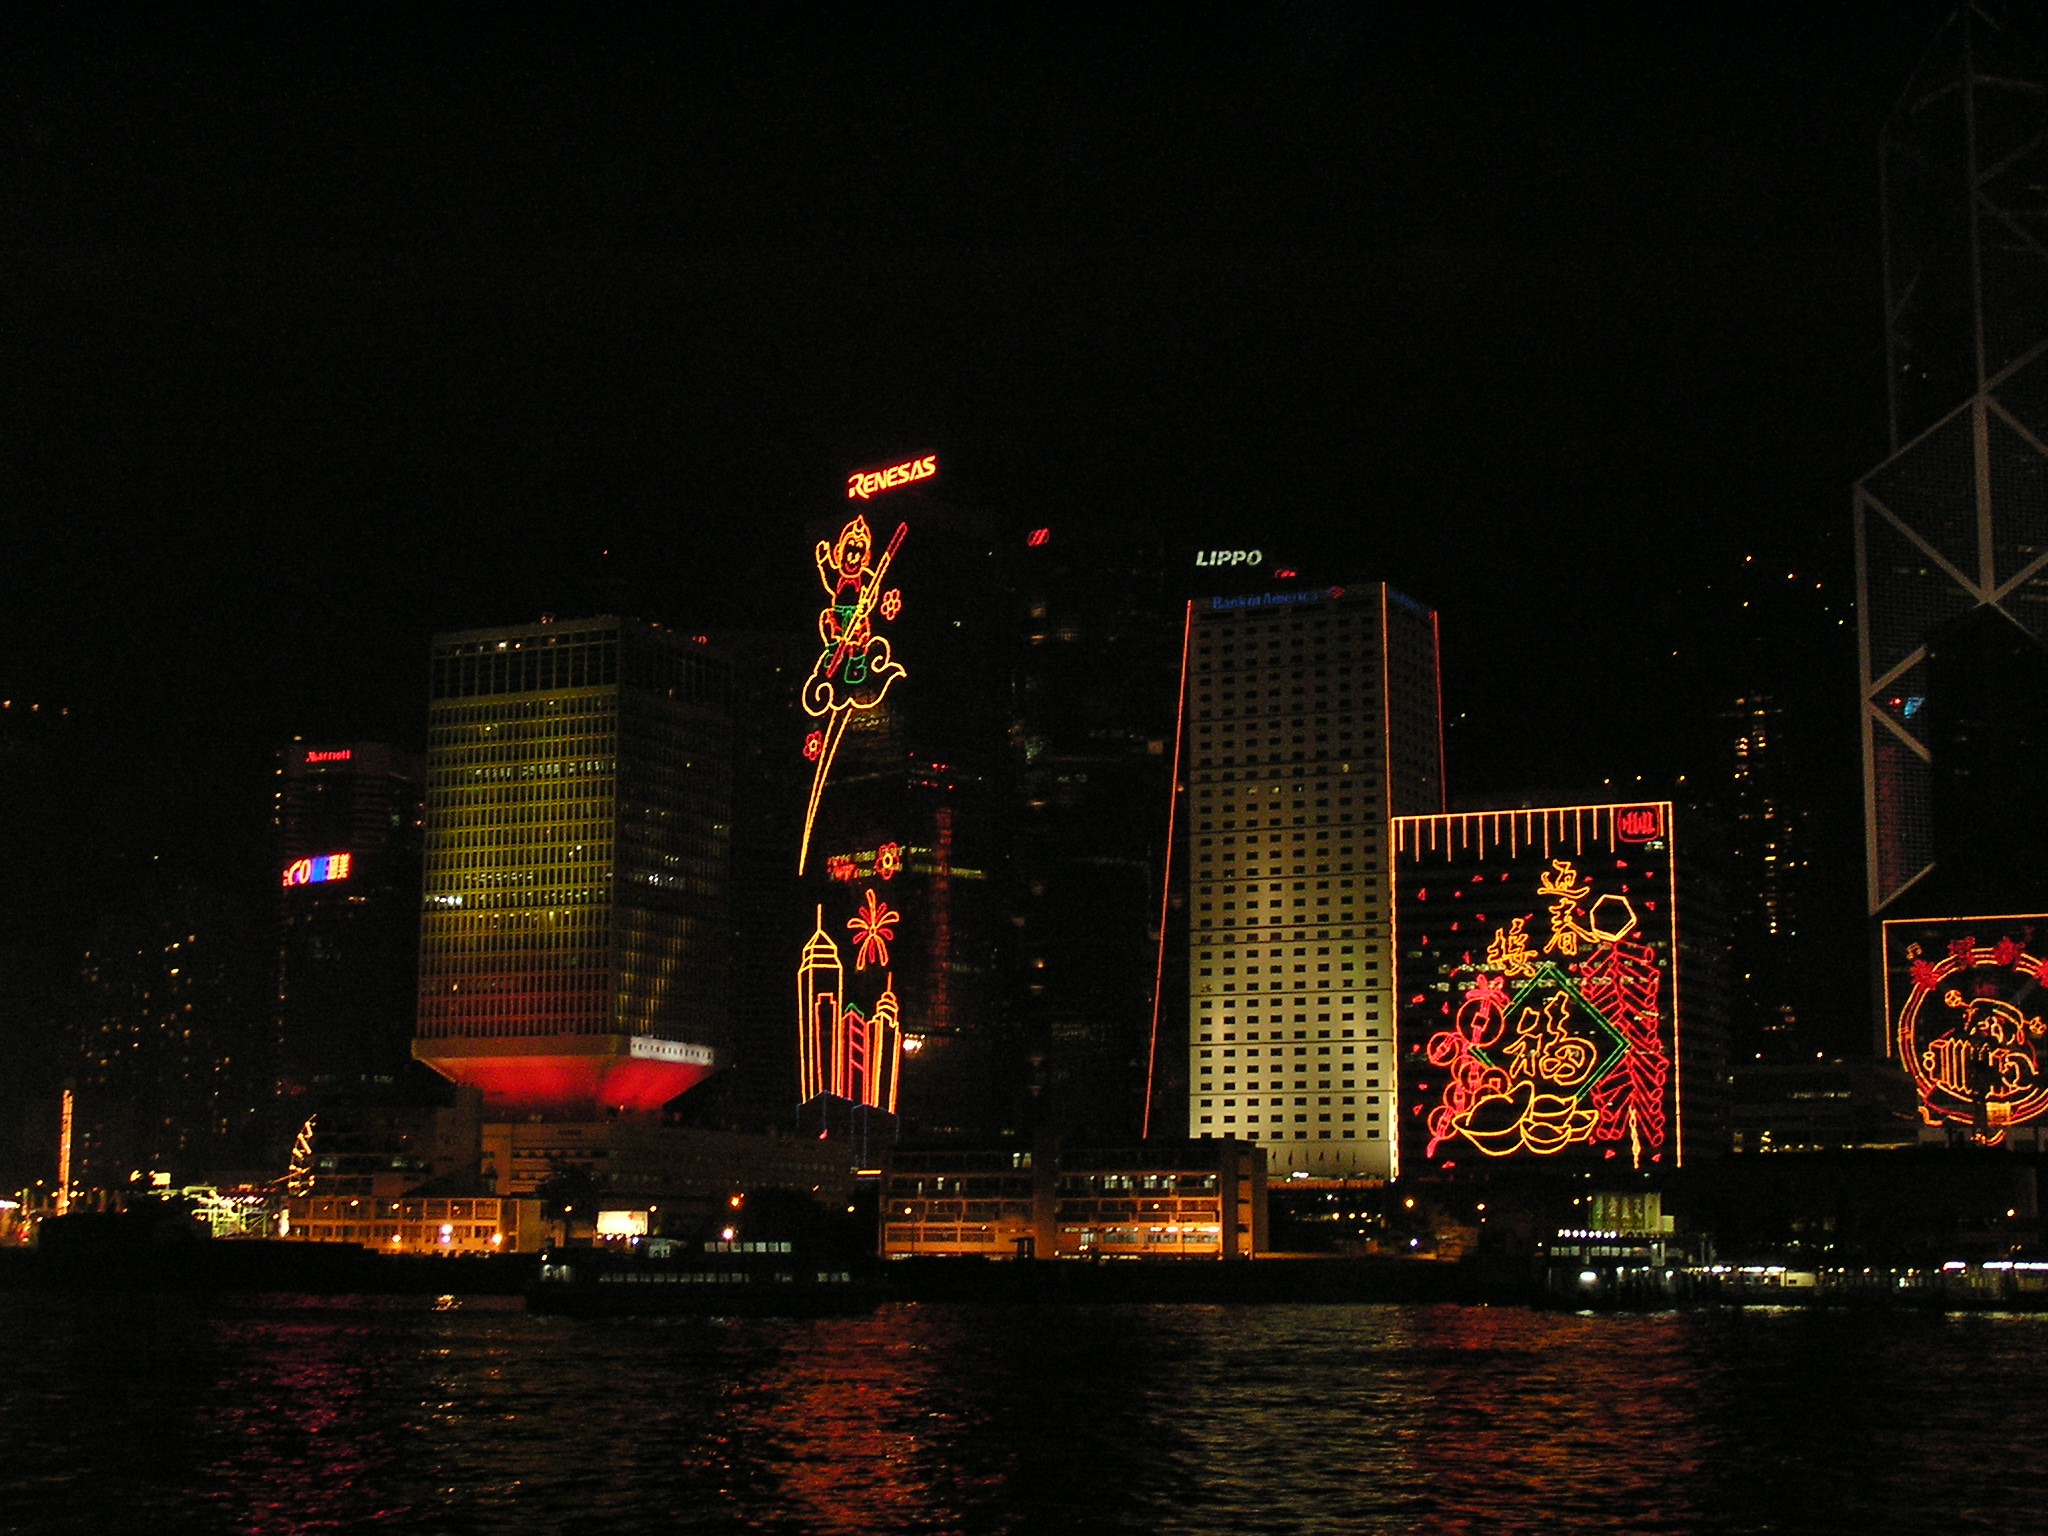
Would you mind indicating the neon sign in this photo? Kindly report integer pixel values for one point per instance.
(316, 871)
(1538, 983)
(883, 863)
(1275, 599)
(854, 667)
(341, 756)
(1965, 1005)
(862, 484)
(1037, 537)
(1229, 556)
(843, 1050)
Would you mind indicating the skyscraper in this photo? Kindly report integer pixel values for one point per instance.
(1310, 718)
(575, 930)
(1768, 836)
(1956, 519)
(1095, 660)
(348, 831)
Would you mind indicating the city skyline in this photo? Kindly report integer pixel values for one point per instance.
(1579, 348)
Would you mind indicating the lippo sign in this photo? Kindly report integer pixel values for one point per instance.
(863, 483)
(1206, 557)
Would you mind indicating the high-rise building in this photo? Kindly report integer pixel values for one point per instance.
(347, 816)
(1766, 859)
(1095, 659)
(1955, 520)
(575, 929)
(1310, 718)
(901, 846)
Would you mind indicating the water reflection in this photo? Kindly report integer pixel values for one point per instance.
(294, 1416)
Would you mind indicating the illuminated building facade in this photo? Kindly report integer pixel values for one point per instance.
(1965, 1003)
(1166, 1199)
(348, 866)
(1953, 523)
(1539, 986)
(1310, 717)
(575, 929)
(898, 846)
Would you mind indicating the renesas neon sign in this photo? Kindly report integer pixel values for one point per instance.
(1222, 557)
(317, 870)
(863, 483)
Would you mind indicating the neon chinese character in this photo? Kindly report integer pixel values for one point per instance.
(1509, 951)
(1560, 881)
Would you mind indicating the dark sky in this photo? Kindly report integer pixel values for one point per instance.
(314, 341)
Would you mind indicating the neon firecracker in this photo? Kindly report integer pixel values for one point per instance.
(1965, 1000)
(854, 667)
(842, 1050)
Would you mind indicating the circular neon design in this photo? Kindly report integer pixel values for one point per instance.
(1968, 1039)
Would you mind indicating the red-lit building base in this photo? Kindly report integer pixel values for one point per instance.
(570, 1074)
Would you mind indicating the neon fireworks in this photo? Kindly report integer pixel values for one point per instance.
(854, 667)
(872, 932)
(1964, 999)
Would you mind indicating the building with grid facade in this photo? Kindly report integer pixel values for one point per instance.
(575, 931)
(1952, 528)
(1310, 717)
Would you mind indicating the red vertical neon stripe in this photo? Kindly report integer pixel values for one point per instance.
(1166, 880)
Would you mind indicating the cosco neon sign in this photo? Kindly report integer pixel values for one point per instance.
(863, 483)
(316, 871)
(1229, 556)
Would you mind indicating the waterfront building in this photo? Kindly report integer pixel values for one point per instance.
(575, 927)
(1203, 1198)
(450, 1227)
(1310, 717)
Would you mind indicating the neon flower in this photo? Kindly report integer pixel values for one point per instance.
(872, 932)
(892, 603)
(813, 745)
(889, 860)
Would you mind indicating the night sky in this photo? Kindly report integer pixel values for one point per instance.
(315, 341)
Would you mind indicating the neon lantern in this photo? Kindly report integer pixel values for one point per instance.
(1559, 1030)
(862, 484)
(317, 871)
(854, 667)
(842, 1050)
(1967, 1024)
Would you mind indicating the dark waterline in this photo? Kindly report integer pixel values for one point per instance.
(286, 1414)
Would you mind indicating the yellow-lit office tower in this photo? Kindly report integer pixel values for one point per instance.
(575, 935)
(1310, 716)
